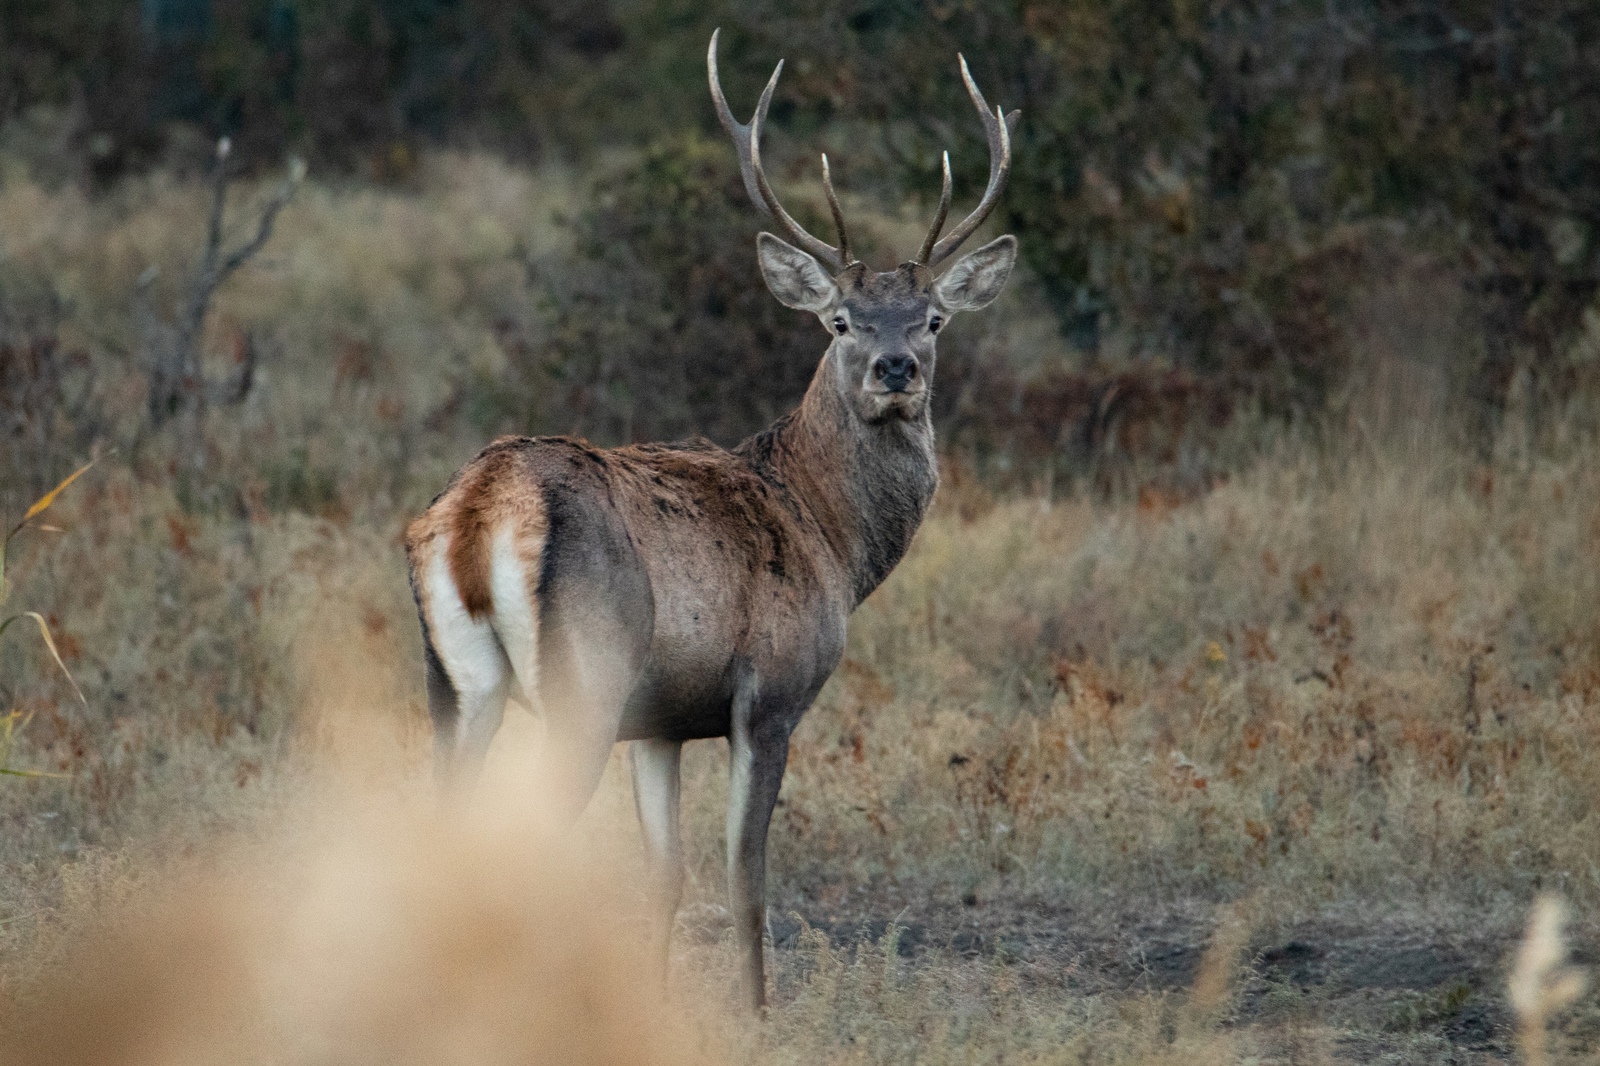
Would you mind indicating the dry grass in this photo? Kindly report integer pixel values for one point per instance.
(1357, 677)
(378, 928)
(1308, 679)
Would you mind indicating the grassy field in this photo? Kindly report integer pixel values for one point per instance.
(1267, 768)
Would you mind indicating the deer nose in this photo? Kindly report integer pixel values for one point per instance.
(895, 371)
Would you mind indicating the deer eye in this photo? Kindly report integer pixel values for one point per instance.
(934, 323)
(840, 326)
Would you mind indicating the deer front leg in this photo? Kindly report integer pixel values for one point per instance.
(655, 765)
(757, 753)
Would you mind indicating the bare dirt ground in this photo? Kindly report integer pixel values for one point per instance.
(1396, 990)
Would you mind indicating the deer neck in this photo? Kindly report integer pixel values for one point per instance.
(867, 485)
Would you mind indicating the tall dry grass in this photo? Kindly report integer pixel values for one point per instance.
(369, 921)
(1347, 679)
(1357, 675)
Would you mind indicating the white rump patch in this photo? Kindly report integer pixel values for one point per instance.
(516, 615)
(466, 646)
(473, 659)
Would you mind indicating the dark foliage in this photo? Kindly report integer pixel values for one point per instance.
(1198, 183)
(45, 420)
(657, 326)
(354, 83)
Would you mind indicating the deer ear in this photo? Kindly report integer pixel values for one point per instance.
(794, 277)
(977, 278)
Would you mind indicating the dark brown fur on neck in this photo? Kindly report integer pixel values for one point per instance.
(867, 487)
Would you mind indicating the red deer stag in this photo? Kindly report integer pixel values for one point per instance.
(659, 593)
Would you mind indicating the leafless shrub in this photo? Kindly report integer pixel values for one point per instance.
(178, 386)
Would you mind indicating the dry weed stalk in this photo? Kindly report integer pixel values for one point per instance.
(14, 721)
(1214, 983)
(11, 724)
(1541, 985)
(1200, 1036)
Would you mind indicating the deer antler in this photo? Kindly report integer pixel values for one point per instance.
(938, 220)
(747, 139)
(997, 125)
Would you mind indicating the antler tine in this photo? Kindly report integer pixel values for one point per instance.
(747, 139)
(740, 132)
(938, 220)
(824, 252)
(838, 214)
(997, 127)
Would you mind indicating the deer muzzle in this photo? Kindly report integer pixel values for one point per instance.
(895, 372)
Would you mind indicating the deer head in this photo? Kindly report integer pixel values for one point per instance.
(884, 325)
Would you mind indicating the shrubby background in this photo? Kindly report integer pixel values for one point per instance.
(1221, 189)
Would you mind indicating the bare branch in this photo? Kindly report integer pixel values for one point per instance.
(177, 380)
(269, 217)
(233, 391)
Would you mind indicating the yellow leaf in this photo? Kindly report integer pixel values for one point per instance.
(44, 502)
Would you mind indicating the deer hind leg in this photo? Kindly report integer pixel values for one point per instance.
(588, 671)
(443, 708)
(596, 618)
(655, 764)
(472, 668)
